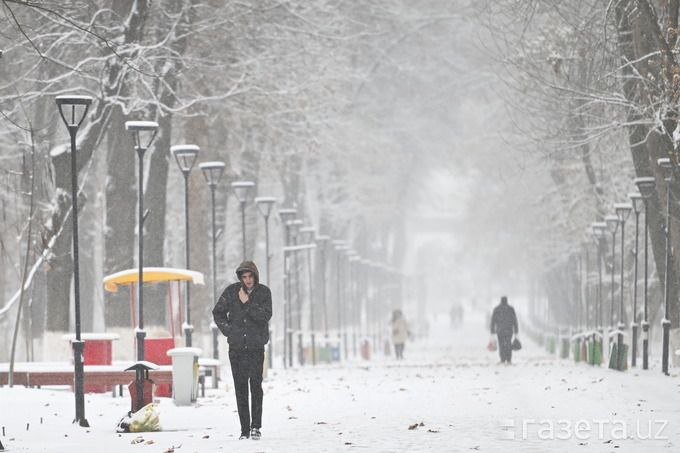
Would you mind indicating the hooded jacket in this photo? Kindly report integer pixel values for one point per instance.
(246, 325)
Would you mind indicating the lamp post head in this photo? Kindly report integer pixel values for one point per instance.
(622, 211)
(636, 199)
(241, 189)
(73, 109)
(646, 186)
(143, 133)
(265, 205)
(612, 222)
(294, 226)
(212, 172)
(308, 233)
(287, 214)
(322, 239)
(185, 156)
(666, 165)
(598, 229)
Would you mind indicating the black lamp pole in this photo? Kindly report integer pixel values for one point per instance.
(665, 164)
(340, 247)
(613, 224)
(185, 155)
(241, 189)
(143, 133)
(68, 107)
(321, 242)
(646, 186)
(265, 204)
(354, 298)
(598, 229)
(212, 172)
(294, 226)
(622, 212)
(308, 238)
(636, 198)
(286, 215)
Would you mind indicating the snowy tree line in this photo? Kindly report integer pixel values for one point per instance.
(591, 89)
(280, 91)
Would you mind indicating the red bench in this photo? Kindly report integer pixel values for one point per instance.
(107, 377)
(92, 377)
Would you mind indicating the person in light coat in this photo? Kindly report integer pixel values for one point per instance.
(399, 333)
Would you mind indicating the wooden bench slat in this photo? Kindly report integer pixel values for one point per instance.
(92, 377)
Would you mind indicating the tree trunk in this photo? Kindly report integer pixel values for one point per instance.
(121, 218)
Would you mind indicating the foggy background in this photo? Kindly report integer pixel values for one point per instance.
(440, 138)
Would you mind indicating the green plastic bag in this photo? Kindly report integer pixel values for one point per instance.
(617, 357)
(595, 352)
(577, 350)
(551, 344)
(564, 349)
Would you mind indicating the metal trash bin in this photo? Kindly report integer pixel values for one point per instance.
(141, 389)
(184, 374)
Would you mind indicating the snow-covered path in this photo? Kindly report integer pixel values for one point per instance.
(449, 383)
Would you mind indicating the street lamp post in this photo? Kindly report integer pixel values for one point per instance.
(143, 133)
(294, 228)
(599, 229)
(185, 156)
(308, 237)
(321, 241)
(622, 212)
(212, 172)
(241, 189)
(286, 215)
(666, 166)
(612, 222)
(264, 205)
(646, 186)
(339, 247)
(73, 110)
(353, 262)
(636, 199)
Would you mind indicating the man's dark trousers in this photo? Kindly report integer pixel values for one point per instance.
(505, 347)
(246, 366)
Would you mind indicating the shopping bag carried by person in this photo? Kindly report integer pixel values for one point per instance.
(491, 346)
(516, 344)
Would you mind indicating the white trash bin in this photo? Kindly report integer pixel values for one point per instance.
(184, 374)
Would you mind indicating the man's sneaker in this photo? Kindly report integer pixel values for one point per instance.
(243, 436)
(255, 434)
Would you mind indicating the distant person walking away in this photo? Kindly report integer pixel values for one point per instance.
(242, 314)
(399, 333)
(504, 325)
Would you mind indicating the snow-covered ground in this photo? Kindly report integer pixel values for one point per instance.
(448, 385)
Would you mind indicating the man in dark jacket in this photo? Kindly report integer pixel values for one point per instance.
(242, 314)
(504, 324)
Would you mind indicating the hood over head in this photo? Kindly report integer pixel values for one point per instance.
(504, 300)
(248, 266)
